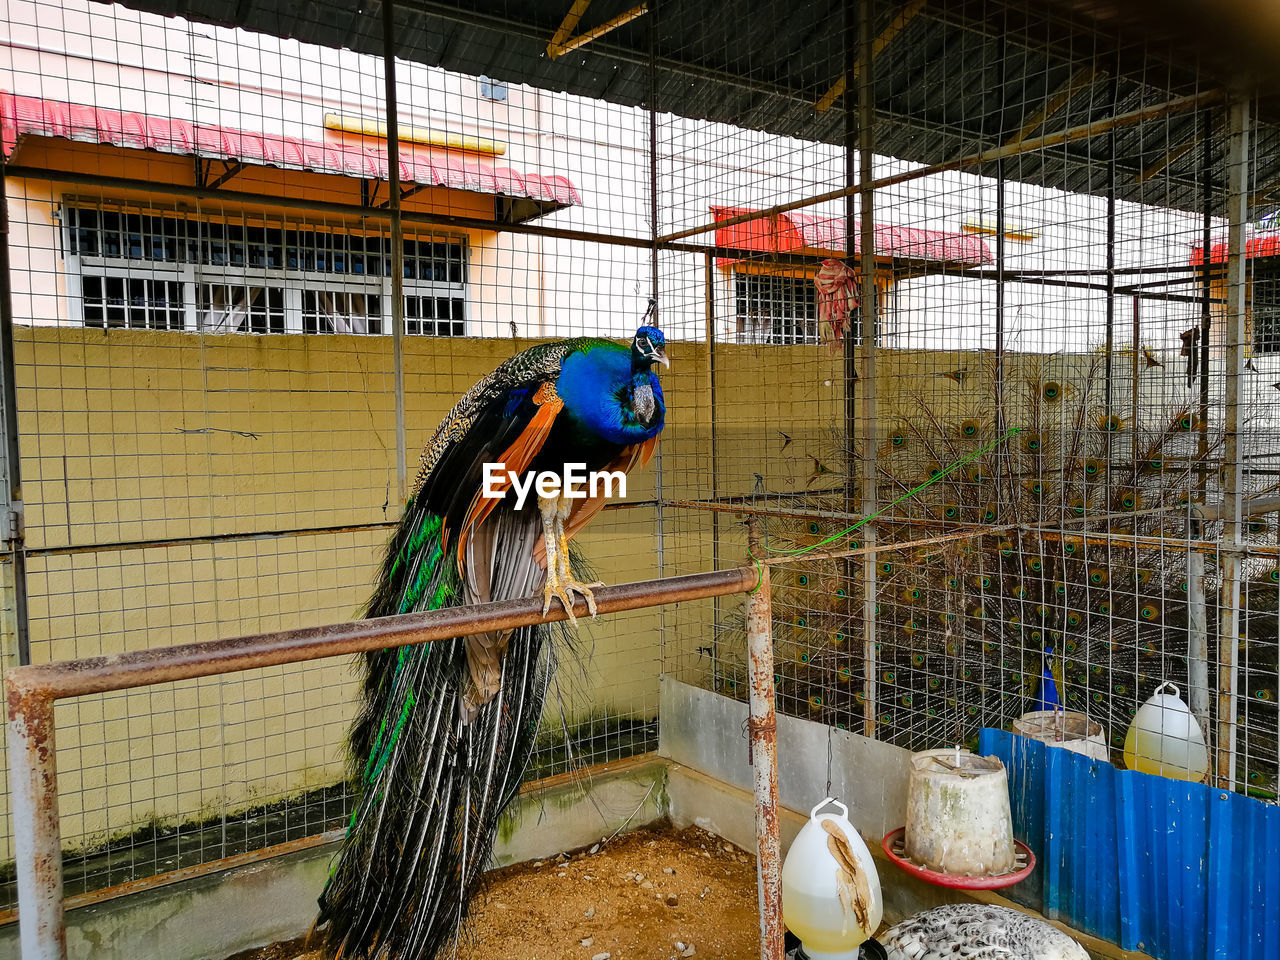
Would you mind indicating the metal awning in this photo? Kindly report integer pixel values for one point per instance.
(794, 232)
(1263, 245)
(31, 116)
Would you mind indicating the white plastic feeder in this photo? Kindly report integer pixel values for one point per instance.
(830, 889)
(1165, 739)
(1067, 730)
(958, 817)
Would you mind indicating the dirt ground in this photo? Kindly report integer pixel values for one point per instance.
(656, 894)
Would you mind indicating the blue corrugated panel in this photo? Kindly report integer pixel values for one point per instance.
(1178, 870)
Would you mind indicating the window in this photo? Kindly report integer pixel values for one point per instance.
(1265, 308)
(775, 309)
(141, 303)
(169, 271)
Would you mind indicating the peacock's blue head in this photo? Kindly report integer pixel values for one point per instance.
(649, 347)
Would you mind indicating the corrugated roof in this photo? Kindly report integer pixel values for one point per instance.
(961, 77)
(32, 116)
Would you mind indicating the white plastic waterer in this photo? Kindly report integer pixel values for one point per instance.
(1165, 739)
(830, 889)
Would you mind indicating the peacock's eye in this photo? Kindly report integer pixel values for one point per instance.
(1149, 612)
(813, 528)
(803, 580)
(1051, 390)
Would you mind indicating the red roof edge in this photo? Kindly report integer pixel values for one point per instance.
(1263, 245)
(88, 124)
(782, 233)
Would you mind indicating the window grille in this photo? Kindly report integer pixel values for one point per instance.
(142, 303)
(1265, 312)
(775, 309)
(167, 271)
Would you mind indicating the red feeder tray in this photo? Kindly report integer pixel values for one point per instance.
(894, 843)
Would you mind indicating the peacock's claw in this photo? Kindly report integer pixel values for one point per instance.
(562, 589)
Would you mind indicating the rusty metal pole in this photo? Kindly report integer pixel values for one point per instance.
(37, 842)
(1233, 370)
(763, 727)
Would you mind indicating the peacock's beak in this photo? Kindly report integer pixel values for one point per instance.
(661, 356)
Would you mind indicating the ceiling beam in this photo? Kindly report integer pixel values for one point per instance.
(562, 43)
(565, 30)
(896, 25)
(1174, 154)
(1082, 78)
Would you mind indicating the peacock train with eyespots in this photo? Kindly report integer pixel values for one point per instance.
(446, 730)
(1022, 597)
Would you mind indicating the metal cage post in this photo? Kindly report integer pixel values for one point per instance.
(1233, 369)
(397, 241)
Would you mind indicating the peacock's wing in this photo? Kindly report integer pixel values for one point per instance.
(446, 729)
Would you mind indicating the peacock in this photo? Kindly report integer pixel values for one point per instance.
(1028, 606)
(446, 730)
(977, 931)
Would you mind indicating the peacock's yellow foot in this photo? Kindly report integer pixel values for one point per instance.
(562, 588)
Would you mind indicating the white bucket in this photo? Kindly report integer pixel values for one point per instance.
(1066, 729)
(831, 895)
(958, 817)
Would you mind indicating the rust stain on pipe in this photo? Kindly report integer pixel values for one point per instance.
(37, 842)
(73, 678)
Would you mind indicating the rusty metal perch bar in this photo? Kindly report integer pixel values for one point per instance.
(32, 690)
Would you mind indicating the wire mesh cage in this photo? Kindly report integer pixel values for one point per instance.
(973, 308)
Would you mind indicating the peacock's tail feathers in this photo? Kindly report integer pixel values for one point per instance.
(1039, 598)
(433, 767)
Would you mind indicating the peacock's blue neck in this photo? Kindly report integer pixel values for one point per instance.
(612, 396)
